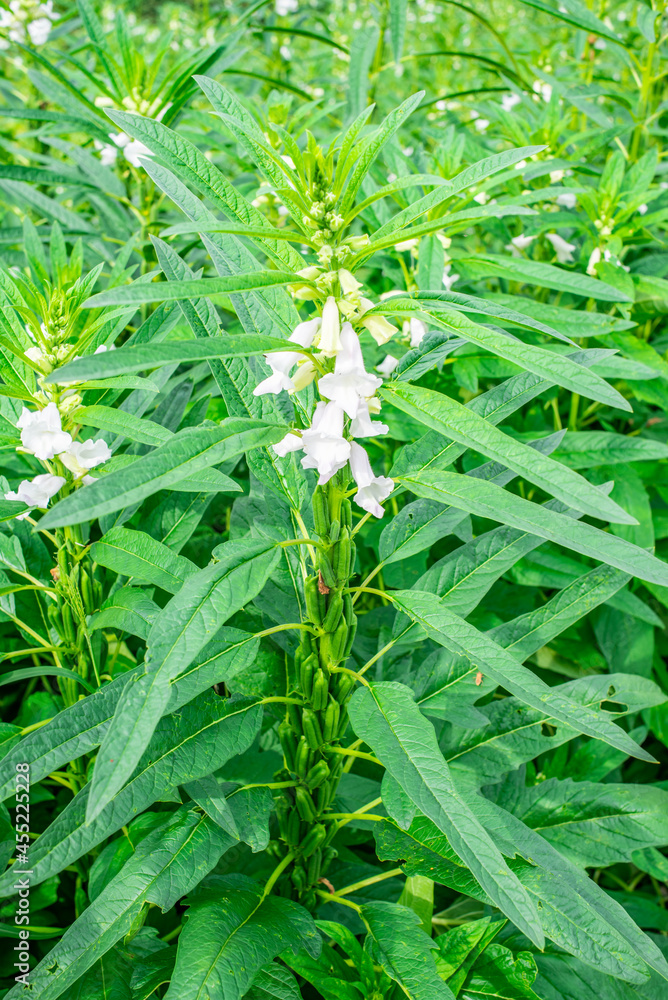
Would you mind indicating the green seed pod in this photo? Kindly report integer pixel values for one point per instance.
(334, 612)
(313, 839)
(305, 804)
(298, 877)
(312, 730)
(294, 829)
(328, 855)
(295, 718)
(320, 690)
(308, 668)
(317, 774)
(338, 640)
(341, 559)
(302, 756)
(286, 734)
(325, 567)
(274, 849)
(331, 720)
(352, 629)
(334, 530)
(314, 866)
(346, 515)
(346, 682)
(312, 599)
(69, 630)
(320, 512)
(283, 811)
(87, 593)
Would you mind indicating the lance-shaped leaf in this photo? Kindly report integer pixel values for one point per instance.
(233, 930)
(187, 453)
(81, 727)
(167, 865)
(180, 632)
(167, 291)
(397, 941)
(137, 358)
(436, 410)
(462, 638)
(117, 421)
(534, 272)
(186, 745)
(128, 609)
(134, 553)
(487, 500)
(386, 717)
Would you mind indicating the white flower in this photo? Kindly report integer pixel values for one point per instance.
(417, 331)
(508, 101)
(562, 248)
(642, 209)
(291, 442)
(556, 176)
(42, 432)
(481, 124)
(363, 426)
(518, 243)
(566, 200)
(349, 382)
(482, 197)
(380, 329)
(406, 245)
(283, 362)
(108, 154)
(81, 456)
(350, 286)
(387, 365)
(595, 259)
(371, 489)
(36, 493)
(39, 30)
(102, 349)
(133, 150)
(544, 90)
(330, 330)
(449, 279)
(324, 445)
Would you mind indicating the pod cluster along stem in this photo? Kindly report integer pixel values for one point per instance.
(311, 733)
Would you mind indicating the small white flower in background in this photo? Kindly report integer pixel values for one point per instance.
(363, 426)
(349, 383)
(323, 442)
(372, 490)
(283, 362)
(330, 330)
(406, 245)
(481, 124)
(642, 209)
(595, 258)
(556, 176)
(562, 248)
(42, 432)
(291, 442)
(508, 101)
(482, 197)
(81, 456)
(36, 492)
(518, 243)
(417, 331)
(387, 365)
(102, 349)
(26, 21)
(380, 329)
(134, 150)
(543, 90)
(566, 200)
(448, 281)
(108, 153)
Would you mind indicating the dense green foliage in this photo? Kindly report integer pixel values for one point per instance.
(334, 506)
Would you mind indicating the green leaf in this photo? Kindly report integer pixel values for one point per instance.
(487, 500)
(184, 455)
(136, 554)
(117, 421)
(575, 13)
(165, 291)
(457, 635)
(233, 930)
(532, 272)
(186, 745)
(386, 717)
(450, 418)
(128, 609)
(180, 632)
(397, 942)
(589, 449)
(127, 359)
(167, 864)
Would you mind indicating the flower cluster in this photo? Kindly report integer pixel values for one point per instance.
(330, 351)
(25, 21)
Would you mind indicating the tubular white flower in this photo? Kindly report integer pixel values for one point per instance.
(349, 382)
(449, 279)
(291, 442)
(42, 432)
(379, 328)
(324, 445)
(363, 426)
(387, 365)
(36, 492)
(371, 489)
(283, 362)
(562, 248)
(330, 330)
(81, 456)
(417, 330)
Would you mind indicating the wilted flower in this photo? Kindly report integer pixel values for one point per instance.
(371, 489)
(42, 432)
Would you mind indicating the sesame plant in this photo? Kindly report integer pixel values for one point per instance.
(333, 503)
